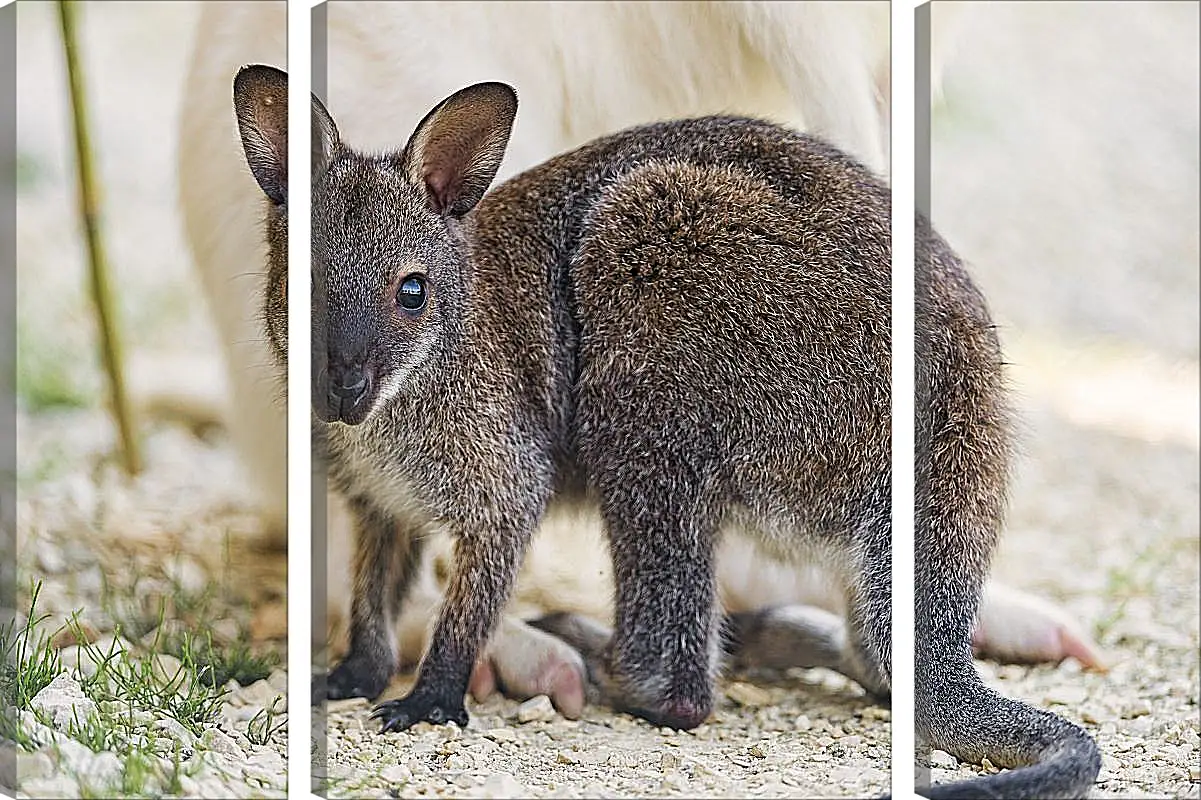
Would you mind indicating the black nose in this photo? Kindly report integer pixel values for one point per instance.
(346, 391)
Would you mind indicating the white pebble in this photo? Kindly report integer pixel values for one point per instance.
(538, 707)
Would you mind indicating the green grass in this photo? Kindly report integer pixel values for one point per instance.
(1135, 578)
(96, 732)
(135, 678)
(29, 661)
(137, 613)
(238, 662)
(129, 685)
(266, 723)
(48, 378)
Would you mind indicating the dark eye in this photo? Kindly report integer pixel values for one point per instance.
(411, 294)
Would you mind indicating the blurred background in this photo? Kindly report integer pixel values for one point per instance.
(160, 568)
(1065, 171)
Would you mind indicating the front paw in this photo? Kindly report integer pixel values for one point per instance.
(354, 677)
(399, 715)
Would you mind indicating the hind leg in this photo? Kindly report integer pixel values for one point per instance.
(662, 660)
(869, 610)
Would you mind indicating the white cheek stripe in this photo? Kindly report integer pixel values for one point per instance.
(396, 381)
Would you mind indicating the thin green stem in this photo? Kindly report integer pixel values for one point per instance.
(89, 207)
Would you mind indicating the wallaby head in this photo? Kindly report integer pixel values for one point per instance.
(388, 259)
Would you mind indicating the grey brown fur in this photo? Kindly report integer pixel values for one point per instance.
(686, 324)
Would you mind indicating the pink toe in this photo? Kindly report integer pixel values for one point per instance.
(566, 690)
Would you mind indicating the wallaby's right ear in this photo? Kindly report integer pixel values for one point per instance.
(457, 149)
(261, 104)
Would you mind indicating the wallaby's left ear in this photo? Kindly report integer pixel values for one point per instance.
(261, 104)
(457, 149)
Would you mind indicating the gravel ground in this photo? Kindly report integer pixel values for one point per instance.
(106, 551)
(803, 735)
(1065, 172)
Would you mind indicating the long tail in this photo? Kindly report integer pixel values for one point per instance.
(1048, 756)
(962, 450)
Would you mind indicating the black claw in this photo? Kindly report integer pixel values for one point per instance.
(398, 715)
(354, 677)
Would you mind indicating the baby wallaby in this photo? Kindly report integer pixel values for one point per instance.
(685, 325)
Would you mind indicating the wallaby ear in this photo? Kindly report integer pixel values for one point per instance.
(261, 105)
(457, 149)
(325, 137)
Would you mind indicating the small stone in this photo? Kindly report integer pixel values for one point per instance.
(270, 621)
(266, 765)
(73, 757)
(1194, 773)
(53, 786)
(460, 762)
(1068, 695)
(537, 708)
(669, 761)
(189, 787)
(349, 704)
(217, 741)
(71, 636)
(397, 773)
(259, 695)
(748, 695)
(1140, 726)
(1139, 708)
(103, 770)
(501, 735)
(63, 701)
(50, 557)
(175, 730)
(943, 760)
(502, 785)
(31, 766)
(757, 750)
(167, 668)
(224, 631)
(188, 575)
(278, 679)
(563, 757)
(237, 715)
(803, 723)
